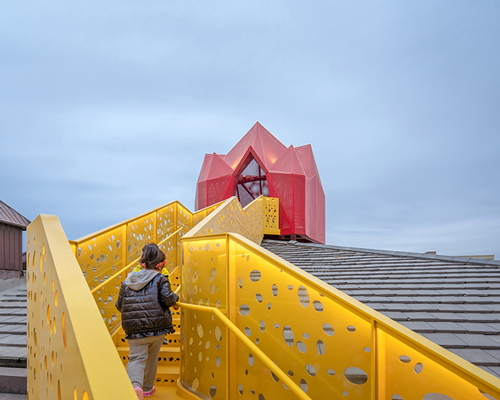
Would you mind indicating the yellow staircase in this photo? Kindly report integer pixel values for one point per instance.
(254, 326)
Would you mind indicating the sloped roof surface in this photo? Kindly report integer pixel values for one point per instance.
(452, 301)
(10, 216)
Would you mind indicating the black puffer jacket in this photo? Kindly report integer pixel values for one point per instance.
(144, 301)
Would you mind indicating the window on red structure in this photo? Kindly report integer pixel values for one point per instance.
(251, 183)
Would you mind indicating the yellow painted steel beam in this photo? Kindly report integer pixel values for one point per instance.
(255, 350)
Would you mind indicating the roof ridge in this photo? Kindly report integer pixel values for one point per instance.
(428, 256)
(11, 217)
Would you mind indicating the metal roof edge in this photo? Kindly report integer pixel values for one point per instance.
(430, 256)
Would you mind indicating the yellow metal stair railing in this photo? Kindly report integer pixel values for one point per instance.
(82, 363)
(253, 348)
(329, 345)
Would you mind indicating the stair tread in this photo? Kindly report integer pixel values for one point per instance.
(164, 349)
(168, 369)
(167, 392)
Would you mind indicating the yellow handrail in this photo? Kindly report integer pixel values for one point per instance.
(101, 285)
(255, 350)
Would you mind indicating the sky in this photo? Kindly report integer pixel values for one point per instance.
(108, 108)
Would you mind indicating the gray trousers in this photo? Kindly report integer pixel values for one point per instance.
(143, 361)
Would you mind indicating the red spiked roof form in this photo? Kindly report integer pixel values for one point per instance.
(260, 164)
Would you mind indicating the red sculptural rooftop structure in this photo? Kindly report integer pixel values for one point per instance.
(260, 164)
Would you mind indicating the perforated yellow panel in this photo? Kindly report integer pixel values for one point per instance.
(271, 216)
(204, 342)
(101, 257)
(165, 221)
(249, 222)
(64, 326)
(271, 306)
(107, 252)
(329, 344)
(199, 215)
(401, 364)
(140, 232)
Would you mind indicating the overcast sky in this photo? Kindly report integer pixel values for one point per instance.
(107, 109)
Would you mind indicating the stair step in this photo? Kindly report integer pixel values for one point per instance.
(168, 355)
(174, 339)
(167, 392)
(167, 375)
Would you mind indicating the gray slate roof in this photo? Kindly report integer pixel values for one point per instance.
(11, 217)
(452, 301)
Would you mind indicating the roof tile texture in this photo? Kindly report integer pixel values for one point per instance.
(453, 301)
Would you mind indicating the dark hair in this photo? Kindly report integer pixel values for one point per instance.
(151, 256)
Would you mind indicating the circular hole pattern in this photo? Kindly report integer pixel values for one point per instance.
(275, 290)
(212, 274)
(317, 306)
(303, 296)
(218, 333)
(248, 332)
(356, 375)
(262, 326)
(330, 372)
(328, 329)
(302, 347)
(405, 359)
(303, 385)
(244, 310)
(418, 368)
(258, 297)
(351, 328)
(255, 275)
(320, 346)
(213, 389)
(396, 397)
(288, 335)
(310, 370)
(250, 359)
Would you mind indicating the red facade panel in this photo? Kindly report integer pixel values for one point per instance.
(260, 164)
